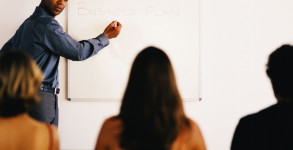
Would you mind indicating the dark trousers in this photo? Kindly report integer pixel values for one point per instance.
(47, 109)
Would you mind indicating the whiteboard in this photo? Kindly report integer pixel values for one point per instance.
(172, 25)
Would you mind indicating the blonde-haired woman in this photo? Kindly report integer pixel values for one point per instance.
(20, 80)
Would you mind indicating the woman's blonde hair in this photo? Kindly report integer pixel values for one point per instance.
(20, 80)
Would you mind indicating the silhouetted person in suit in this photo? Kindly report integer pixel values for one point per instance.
(271, 128)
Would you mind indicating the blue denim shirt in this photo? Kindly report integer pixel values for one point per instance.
(44, 39)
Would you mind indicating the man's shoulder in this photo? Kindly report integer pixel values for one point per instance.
(41, 16)
(263, 115)
(44, 20)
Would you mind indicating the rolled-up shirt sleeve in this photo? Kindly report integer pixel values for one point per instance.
(60, 43)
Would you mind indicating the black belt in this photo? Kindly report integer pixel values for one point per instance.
(50, 89)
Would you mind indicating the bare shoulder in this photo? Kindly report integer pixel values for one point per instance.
(55, 137)
(113, 119)
(195, 138)
(111, 127)
(109, 134)
(112, 122)
(46, 135)
(193, 126)
(55, 132)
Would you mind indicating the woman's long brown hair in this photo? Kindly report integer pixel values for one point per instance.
(152, 110)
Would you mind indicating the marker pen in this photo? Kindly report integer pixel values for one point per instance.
(115, 26)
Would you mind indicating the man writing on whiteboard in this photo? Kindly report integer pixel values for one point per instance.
(43, 38)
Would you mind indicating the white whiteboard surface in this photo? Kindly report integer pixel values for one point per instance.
(172, 25)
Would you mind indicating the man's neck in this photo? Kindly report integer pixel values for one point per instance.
(44, 7)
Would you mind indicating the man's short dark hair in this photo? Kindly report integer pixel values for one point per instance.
(280, 71)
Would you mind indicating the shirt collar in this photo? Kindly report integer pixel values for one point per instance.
(41, 11)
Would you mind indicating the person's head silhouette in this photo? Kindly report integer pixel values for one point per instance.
(280, 71)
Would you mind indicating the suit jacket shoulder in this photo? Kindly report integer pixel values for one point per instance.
(268, 129)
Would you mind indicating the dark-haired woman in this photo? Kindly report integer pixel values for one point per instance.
(151, 115)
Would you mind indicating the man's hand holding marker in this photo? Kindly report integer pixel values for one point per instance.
(113, 29)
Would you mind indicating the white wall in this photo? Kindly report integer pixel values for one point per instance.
(237, 37)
